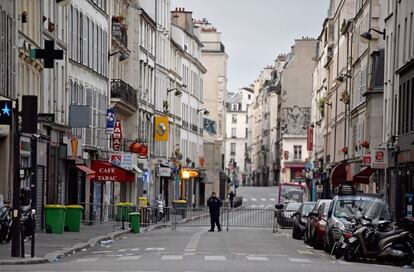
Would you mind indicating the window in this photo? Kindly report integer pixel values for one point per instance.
(297, 151)
(232, 149)
(233, 132)
(234, 107)
(247, 119)
(234, 118)
(247, 132)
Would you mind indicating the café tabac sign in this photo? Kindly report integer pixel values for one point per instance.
(117, 136)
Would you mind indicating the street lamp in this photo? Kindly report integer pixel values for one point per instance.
(366, 37)
(339, 79)
(206, 112)
(176, 93)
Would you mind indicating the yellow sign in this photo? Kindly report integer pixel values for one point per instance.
(161, 129)
(188, 173)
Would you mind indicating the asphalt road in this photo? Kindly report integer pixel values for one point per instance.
(259, 197)
(192, 248)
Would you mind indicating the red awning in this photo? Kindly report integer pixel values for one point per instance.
(89, 172)
(338, 174)
(105, 171)
(294, 165)
(364, 175)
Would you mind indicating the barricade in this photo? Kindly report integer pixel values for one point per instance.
(187, 217)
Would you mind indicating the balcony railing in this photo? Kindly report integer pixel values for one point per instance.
(119, 33)
(122, 90)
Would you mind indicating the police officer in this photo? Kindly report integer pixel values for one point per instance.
(214, 205)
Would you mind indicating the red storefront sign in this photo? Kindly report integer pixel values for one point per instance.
(366, 159)
(106, 171)
(310, 139)
(117, 136)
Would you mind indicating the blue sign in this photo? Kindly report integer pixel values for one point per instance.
(110, 120)
(6, 110)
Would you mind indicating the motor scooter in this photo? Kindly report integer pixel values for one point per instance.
(380, 240)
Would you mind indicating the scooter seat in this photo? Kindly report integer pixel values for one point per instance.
(382, 235)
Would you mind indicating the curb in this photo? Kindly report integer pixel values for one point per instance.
(57, 255)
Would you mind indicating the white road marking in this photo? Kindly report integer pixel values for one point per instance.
(155, 249)
(254, 199)
(341, 262)
(135, 249)
(272, 199)
(171, 257)
(253, 206)
(122, 250)
(189, 249)
(298, 260)
(263, 199)
(128, 258)
(261, 206)
(269, 207)
(84, 260)
(257, 258)
(214, 258)
(101, 252)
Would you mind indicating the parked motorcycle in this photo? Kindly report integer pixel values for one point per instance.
(160, 207)
(5, 223)
(26, 221)
(377, 238)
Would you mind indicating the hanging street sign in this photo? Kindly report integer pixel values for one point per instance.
(117, 136)
(49, 54)
(110, 120)
(6, 112)
(46, 118)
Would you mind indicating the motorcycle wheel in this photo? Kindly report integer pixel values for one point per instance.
(351, 252)
(338, 252)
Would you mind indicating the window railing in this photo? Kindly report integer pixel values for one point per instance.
(122, 90)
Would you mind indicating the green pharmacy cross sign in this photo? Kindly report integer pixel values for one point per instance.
(6, 112)
(49, 54)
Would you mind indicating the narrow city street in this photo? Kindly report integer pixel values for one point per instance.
(192, 248)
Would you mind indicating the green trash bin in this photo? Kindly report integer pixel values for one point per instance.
(123, 210)
(55, 218)
(73, 218)
(135, 219)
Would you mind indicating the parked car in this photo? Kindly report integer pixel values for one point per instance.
(313, 218)
(301, 218)
(286, 215)
(341, 210)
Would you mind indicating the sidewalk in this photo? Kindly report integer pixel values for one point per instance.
(49, 247)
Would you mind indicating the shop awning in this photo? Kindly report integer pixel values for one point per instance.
(338, 174)
(294, 165)
(106, 171)
(364, 176)
(88, 172)
(137, 170)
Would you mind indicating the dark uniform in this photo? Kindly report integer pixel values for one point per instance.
(214, 205)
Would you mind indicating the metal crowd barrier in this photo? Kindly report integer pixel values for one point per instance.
(183, 217)
(229, 218)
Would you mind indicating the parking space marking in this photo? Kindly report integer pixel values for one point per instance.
(257, 258)
(299, 260)
(128, 258)
(172, 257)
(214, 258)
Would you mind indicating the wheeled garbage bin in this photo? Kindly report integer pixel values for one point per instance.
(135, 220)
(55, 218)
(73, 217)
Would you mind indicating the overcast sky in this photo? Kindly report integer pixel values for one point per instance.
(256, 31)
